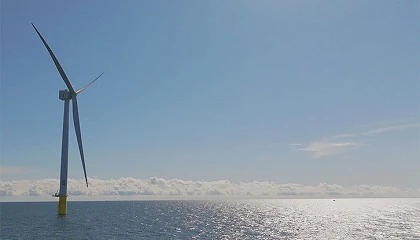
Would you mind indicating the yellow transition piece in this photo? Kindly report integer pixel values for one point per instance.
(62, 205)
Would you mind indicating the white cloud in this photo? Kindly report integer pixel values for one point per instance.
(324, 147)
(392, 128)
(349, 141)
(158, 187)
(345, 135)
(388, 123)
(296, 144)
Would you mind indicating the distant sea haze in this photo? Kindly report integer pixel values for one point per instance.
(395, 218)
(158, 188)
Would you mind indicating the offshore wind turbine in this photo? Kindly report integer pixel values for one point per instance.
(67, 95)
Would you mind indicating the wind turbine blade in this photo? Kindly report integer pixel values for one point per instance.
(57, 64)
(87, 85)
(78, 134)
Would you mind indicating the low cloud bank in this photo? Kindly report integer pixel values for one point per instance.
(127, 187)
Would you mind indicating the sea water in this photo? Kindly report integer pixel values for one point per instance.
(228, 219)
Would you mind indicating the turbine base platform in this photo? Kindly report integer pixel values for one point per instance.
(62, 205)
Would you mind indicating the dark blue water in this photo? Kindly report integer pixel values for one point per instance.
(244, 219)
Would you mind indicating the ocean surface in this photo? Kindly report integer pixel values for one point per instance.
(230, 219)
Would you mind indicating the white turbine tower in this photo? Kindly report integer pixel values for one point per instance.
(67, 95)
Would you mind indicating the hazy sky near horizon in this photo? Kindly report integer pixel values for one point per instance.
(287, 91)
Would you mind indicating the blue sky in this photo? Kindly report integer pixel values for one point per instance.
(286, 91)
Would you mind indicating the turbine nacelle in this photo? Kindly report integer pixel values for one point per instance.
(64, 95)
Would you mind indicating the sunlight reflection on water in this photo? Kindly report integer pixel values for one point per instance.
(239, 219)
